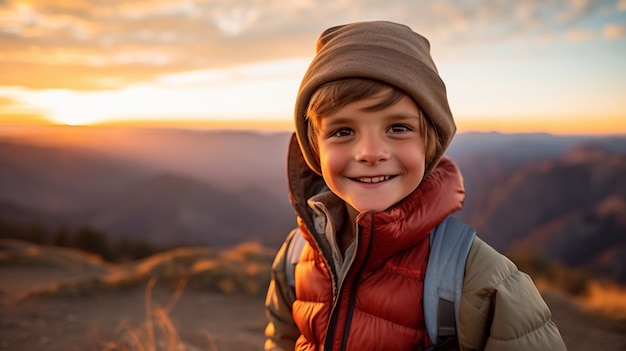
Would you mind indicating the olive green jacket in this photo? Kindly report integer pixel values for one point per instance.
(501, 309)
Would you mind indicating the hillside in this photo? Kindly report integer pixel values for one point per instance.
(568, 209)
(58, 179)
(56, 299)
(169, 208)
(194, 199)
(573, 239)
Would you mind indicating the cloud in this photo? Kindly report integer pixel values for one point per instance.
(88, 44)
(614, 31)
(13, 111)
(577, 36)
(7, 101)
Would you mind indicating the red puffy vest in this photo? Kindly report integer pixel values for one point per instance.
(378, 304)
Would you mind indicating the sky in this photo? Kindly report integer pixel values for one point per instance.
(511, 66)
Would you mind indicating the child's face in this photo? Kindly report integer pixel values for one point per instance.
(372, 159)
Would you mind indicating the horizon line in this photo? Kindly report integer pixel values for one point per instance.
(607, 126)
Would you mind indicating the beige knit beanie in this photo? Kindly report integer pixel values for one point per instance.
(384, 51)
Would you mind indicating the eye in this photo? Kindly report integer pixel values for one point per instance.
(399, 128)
(342, 132)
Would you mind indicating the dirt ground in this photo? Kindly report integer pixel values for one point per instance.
(203, 320)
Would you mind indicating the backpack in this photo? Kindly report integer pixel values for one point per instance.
(450, 243)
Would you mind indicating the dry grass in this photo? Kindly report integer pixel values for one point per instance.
(603, 298)
(608, 299)
(158, 333)
(241, 269)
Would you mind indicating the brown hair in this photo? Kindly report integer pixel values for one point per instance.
(331, 97)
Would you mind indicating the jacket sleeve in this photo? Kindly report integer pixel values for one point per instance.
(281, 331)
(501, 309)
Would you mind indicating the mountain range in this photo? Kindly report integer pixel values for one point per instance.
(560, 197)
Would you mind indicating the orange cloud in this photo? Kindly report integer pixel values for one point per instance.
(74, 77)
(577, 36)
(22, 119)
(98, 45)
(598, 125)
(11, 113)
(614, 31)
(6, 101)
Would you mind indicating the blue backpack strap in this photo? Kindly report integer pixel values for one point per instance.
(450, 243)
(296, 244)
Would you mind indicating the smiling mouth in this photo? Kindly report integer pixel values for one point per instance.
(372, 180)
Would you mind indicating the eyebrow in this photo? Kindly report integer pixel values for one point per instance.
(391, 118)
(401, 117)
(324, 122)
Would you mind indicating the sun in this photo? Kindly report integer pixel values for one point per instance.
(74, 110)
(70, 120)
(71, 108)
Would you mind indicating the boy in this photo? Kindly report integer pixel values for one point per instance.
(369, 182)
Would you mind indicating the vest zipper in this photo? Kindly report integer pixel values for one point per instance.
(337, 297)
(352, 301)
(332, 323)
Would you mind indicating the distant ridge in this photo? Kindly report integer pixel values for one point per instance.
(531, 191)
(169, 208)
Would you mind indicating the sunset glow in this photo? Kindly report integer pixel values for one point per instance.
(511, 67)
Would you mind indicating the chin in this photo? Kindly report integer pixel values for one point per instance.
(372, 208)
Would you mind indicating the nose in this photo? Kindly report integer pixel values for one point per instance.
(371, 149)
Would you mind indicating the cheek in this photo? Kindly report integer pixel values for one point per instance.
(414, 160)
(331, 163)
(327, 163)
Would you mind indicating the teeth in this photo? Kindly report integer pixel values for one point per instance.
(372, 179)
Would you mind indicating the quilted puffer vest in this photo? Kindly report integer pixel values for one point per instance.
(378, 305)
